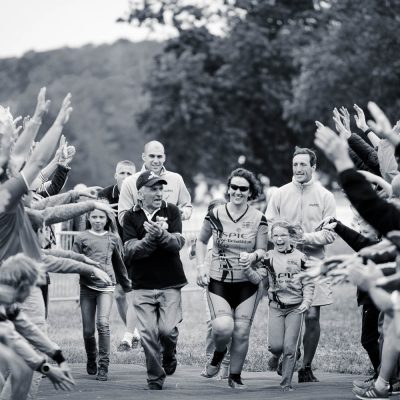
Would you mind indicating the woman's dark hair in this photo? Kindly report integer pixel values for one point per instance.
(255, 187)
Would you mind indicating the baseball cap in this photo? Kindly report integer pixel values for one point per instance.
(148, 178)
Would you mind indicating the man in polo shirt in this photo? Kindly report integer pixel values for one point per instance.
(175, 191)
(152, 232)
(124, 169)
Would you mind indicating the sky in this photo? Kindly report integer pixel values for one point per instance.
(49, 24)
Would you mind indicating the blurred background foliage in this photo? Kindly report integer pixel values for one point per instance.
(256, 90)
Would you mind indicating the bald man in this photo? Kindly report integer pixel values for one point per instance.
(174, 192)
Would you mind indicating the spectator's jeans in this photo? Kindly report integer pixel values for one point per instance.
(158, 313)
(93, 301)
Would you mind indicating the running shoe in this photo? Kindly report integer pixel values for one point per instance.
(102, 374)
(287, 388)
(124, 346)
(372, 393)
(236, 383)
(306, 375)
(273, 363)
(135, 342)
(394, 388)
(224, 372)
(91, 367)
(364, 383)
(169, 363)
(213, 366)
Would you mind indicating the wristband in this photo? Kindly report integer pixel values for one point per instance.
(58, 357)
(368, 131)
(44, 368)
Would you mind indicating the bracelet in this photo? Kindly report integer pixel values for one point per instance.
(368, 131)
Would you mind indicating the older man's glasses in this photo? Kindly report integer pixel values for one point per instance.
(241, 188)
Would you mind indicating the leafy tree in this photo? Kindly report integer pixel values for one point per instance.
(214, 98)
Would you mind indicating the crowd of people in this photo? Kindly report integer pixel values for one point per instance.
(128, 247)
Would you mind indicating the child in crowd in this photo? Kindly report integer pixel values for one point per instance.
(289, 299)
(104, 246)
(18, 275)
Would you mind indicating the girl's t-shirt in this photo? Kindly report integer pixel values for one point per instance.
(282, 267)
(98, 247)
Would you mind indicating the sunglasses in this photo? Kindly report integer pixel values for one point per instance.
(241, 188)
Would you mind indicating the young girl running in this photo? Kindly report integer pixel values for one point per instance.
(288, 298)
(103, 246)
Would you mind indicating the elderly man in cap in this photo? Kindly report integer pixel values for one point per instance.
(152, 232)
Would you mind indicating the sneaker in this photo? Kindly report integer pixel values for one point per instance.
(154, 386)
(102, 375)
(279, 369)
(169, 364)
(135, 342)
(287, 388)
(224, 372)
(236, 383)
(394, 388)
(306, 375)
(364, 383)
(91, 368)
(273, 363)
(213, 366)
(372, 393)
(124, 346)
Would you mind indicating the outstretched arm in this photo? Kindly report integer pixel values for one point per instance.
(47, 146)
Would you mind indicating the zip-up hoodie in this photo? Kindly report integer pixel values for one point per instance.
(305, 204)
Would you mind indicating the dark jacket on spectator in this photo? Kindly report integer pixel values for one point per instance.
(367, 154)
(356, 241)
(154, 263)
(379, 213)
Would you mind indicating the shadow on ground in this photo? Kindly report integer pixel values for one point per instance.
(129, 382)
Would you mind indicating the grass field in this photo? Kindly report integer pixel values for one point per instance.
(339, 351)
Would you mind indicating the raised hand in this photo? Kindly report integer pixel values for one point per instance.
(344, 113)
(340, 127)
(360, 118)
(65, 111)
(42, 105)
(333, 146)
(381, 126)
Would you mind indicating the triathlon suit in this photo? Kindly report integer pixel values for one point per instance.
(229, 291)
(282, 266)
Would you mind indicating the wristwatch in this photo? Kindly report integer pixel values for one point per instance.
(44, 368)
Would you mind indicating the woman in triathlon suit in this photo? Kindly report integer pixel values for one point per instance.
(240, 236)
